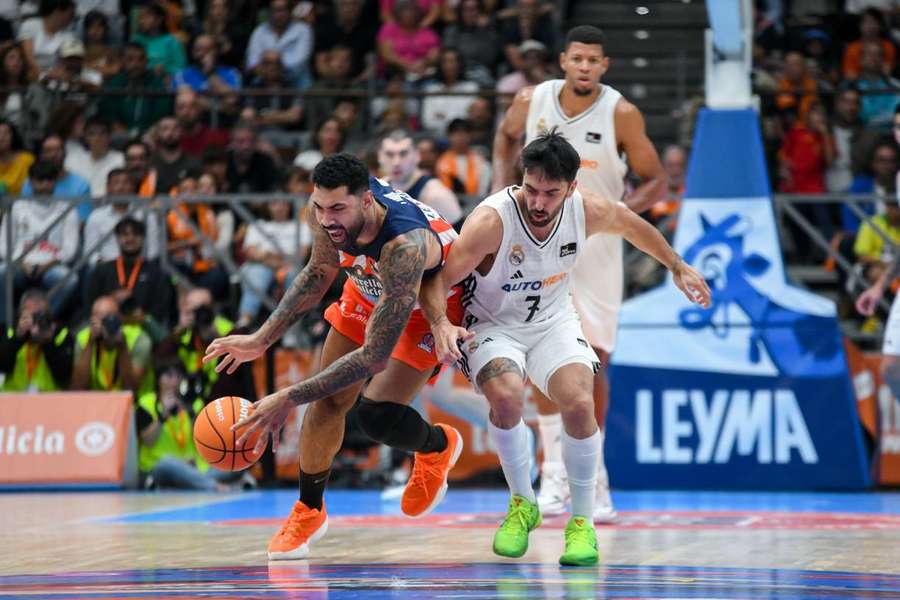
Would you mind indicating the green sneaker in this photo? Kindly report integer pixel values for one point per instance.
(512, 538)
(581, 543)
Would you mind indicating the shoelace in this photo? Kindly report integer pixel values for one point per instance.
(422, 470)
(582, 534)
(517, 516)
(294, 525)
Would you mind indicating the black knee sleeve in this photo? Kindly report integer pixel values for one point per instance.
(399, 426)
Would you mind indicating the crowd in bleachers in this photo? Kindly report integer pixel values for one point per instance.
(169, 101)
(827, 74)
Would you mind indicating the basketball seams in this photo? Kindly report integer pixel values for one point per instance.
(233, 433)
(253, 457)
(218, 455)
(212, 426)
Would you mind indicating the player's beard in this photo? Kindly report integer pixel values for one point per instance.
(541, 219)
(580, 91)
(350, 234)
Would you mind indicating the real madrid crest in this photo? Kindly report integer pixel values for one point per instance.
(542, 126)
(516, 255)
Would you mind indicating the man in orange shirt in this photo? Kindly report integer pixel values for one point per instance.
(461, 168)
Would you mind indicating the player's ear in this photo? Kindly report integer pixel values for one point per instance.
(572, 188)
(562, 61)
(367, 198)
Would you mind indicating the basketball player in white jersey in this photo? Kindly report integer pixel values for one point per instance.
(520, 245)
(601, 125)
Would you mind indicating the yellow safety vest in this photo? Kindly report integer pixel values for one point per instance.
(104, 376)
(176, 438)
(40, 377)
(192, 356)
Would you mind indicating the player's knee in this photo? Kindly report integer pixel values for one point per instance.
(333, 406)
(578, 408)
(506, 403)
(378, 420)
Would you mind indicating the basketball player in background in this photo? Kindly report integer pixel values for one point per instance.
(602, 126)
(398, 159)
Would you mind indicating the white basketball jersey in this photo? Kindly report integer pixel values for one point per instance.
(529, 280)
(598, 291)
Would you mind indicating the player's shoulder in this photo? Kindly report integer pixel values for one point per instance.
(625, 108)
(596, 205)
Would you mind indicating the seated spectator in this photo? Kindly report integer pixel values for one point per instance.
(42, 36)
(196, 135)
(328, 139)
(404, 44)
(876, 109)
(429, 152)
(68, 122)
(130, 275)
(137, 163)
(192, 254)
(873, 255)
(871, 30)
(339, 61)
(110, 355)
(171, 163)
(272, 115)
(99, 54)
(102, 221)
(14, 160)
(249, 170)
(430, 11)
(215, 163)
(797, 88)
(347, 28)
(165, 54)
(207, 186)
(476, 38)
(36, 355)
(14, 73)
(879, 179)
(135, 112)
(70, 67)
(399, 164)
(291, 39)
(481, 116)
(530, 21)
(100, 159)
(438, 110)
(47, 263)
(674, 161)
(535, 70)
(404, 109)
(206, 73)
(461, 168)
(69, 186)
(230, 26)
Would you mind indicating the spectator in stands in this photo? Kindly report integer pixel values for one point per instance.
(399, 163)
(48, 262)
(873, 254)
(215, 163)
(797, 88)
(401, 109)
(68, 122)
(349, 29)
(14, 73)
(328, 139)
(430, 11)
(817, 45)
(42, 36)
(36, 355)
(848, 133)
(427, 147)
(104, 219)
(99, 54)
(100, 159)
(230, 23)
(291, 39)
(403, 43)
(474, 35)
(136, 112)
(196, 135)
(275, 250)
(876, 109)
(460, 168)
(674, 160)
(137, 163)
(129, 274)
(249, 170)
(535, 70)
(531, 21)
(14, 159)
(70, 67)
(169, 161)
(439, 110)
(191, 253)
(207, 73)
(110, 355)
(871, 30)
(339, 61)
(879, 179)
(69, 186)
(481, 116)
(275, 114)
(165, 54)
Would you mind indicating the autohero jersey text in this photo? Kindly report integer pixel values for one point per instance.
(533, 286)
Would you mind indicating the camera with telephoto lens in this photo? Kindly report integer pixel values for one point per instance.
(42, 320)
(203, 316)
(111, 326)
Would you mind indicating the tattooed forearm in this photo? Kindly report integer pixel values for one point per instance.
(306, 291)
(496, 367)
(401, 265)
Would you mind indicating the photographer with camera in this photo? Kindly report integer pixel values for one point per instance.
(36, 356)
(110, 355)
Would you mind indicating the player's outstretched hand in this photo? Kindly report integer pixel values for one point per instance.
(236, 349)
(268, 416)
(447, 338)
(868, 300)
(692, 283)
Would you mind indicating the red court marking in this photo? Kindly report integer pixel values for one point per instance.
(628, 520)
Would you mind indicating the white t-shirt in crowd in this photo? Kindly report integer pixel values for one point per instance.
(46, 46)
(104, 219)
(94, 171)
(284, 233)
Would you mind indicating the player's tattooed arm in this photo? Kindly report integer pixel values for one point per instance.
(307, 289)
(497, 367)
(401, 264)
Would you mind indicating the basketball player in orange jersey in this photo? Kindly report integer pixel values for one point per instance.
(602, 126)
(386, 242)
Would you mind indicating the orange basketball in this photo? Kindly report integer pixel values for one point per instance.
(215, 441)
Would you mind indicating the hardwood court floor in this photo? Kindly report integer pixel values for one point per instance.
(665, 544)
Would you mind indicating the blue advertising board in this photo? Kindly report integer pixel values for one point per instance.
(753, 392)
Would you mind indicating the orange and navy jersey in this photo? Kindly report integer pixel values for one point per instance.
(403, 214)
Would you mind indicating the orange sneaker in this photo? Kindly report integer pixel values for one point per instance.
(428, 482)
(304, 526)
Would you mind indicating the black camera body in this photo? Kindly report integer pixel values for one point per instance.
(203, 316)
(111, 326)
(42, 319)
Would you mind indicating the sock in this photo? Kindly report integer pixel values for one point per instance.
(602, 475)
(550, 428)
(581, 458)
(515, 458)
(312, 488)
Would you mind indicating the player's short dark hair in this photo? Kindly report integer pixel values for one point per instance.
(552, 156)
(585, 34)
(341, 169)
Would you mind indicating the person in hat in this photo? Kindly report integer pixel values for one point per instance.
(534, 71)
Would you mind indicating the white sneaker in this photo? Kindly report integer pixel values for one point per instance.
(603, 507)
(554, 493)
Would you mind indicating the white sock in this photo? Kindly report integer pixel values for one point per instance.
(602, 475)
(581, 458)
(550, 427)
(515, 458)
